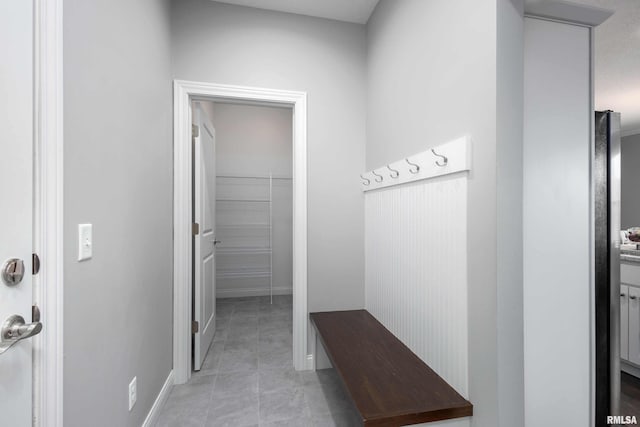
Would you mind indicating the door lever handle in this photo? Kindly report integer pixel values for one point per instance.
(15, 329)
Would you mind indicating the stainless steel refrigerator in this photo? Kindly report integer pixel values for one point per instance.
(606, 191)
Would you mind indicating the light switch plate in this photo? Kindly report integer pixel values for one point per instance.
(85, 241)
(133, 392)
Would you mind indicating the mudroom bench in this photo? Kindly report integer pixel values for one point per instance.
(388, 384)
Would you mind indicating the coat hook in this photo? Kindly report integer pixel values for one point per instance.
(444, 159)
(377, 176)
(417, 168)
(394, 173)
(365, 179)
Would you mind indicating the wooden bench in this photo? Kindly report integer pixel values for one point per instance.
(387, 382)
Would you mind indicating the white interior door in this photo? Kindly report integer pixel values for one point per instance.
(16, 175)
(204, 189)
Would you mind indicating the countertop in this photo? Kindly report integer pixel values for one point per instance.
(630, 256)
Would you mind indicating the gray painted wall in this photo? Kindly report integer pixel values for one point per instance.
(433, 72)
(117, 176)
(253, 140)
(630, 216)
(440, 84)
(220, 43)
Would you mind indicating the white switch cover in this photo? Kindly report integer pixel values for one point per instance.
(85, 242)
(133, 392)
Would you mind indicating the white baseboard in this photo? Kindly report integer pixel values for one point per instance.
(154, 413)
(251, 292)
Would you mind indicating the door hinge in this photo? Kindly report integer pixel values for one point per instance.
(195, 131)
(35, 264)
(35, 313)
(195, 326)
(195, 229)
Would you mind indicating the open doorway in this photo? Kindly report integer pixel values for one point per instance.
(626, 387)
(606, 190)
(243, 238)
(630, 276)
(246, 185)
(617, 273)
(617, 255)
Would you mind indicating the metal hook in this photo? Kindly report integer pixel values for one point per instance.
(417, 168)
(365, 179)
(377, 176)
(444, 158)
(394, 173)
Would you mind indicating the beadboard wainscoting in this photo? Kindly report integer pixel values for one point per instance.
(416, 270)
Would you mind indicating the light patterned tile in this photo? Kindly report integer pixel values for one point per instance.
(278, 379)
(233, 411)
(248, 377)
(238, 361)
(187, 404)
(298, 421)
(339, 419)
(235, 384)
(327, 399)
(275, 358)
(283, 404)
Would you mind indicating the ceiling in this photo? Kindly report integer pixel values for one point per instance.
(357, 11)
(617, 46)
(617, 61)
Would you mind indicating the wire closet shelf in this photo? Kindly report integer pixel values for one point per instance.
(252, 248)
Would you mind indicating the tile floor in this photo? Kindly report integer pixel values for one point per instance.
(248, 379)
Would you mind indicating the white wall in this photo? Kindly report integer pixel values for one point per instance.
(214, 42)
(630, 215)
(557, 224)
(254, 141)
(438, 70)
(117, 176)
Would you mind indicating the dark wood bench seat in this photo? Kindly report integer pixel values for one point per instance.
(387, 382)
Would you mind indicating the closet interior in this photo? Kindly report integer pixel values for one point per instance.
(253, 213)
(253, 200)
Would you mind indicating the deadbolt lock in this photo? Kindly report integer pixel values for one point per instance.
(12, 271)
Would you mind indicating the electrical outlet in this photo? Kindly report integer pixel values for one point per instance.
(133, 392)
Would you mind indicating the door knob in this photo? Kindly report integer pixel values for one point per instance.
(12, 271)
(215, 242)
(15, 329)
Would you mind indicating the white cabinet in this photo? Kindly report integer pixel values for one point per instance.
(634, 325)
(630, 273)
(630, 316)
(624, 322)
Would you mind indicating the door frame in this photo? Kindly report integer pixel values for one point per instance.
(184, 92)
(48, 212)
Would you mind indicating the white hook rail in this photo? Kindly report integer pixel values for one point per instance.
(452, 157)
